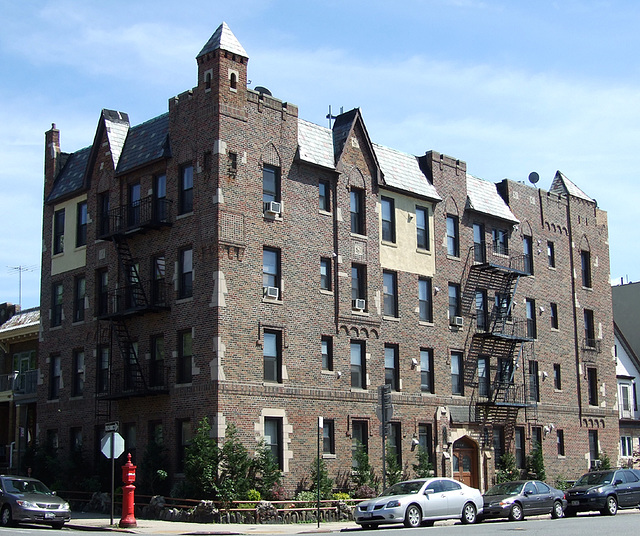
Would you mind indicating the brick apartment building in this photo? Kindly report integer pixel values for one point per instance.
(228, 259)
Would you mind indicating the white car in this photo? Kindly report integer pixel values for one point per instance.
(421, 502)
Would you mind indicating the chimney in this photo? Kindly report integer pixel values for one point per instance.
(51, 158)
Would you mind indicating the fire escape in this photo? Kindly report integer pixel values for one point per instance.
(126, 377)
(502, 343)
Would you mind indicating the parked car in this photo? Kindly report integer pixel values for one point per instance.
(605, 491)
(27, 500)
(421, 502)
(521, 498)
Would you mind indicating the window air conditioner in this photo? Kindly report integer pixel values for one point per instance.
(271, 292)
(456, 321)
(273, 207)
(359, 304)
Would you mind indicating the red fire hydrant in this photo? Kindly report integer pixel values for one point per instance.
(128, 478)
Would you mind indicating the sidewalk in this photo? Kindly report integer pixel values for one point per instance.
(95, 521)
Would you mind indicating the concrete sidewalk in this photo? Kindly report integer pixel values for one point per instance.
(96, 521)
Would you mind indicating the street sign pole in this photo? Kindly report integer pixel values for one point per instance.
(113, 470)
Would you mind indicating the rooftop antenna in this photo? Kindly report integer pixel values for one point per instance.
(20, 269)
(331, 117)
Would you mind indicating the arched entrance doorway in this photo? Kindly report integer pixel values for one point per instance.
(465, 462)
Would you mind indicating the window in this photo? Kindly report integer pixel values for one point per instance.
(457, 378)
(160, 198)
(536, 437)
(551, 254)
(527, 247)
(271, 272)
(483, 376)
(592, 381)
(585, 259)
(325, 273)
(426, 371)
(478, 243)
(500, 241)
(534, 382)
(505, 370)
(79, 293)
(626, 446)
(357, 211)
(130, 436)
(482, 311)
(453, 239)
(390, 292)
(392, 366)
(53, 440)
(328, 437)
(502, 303)
(185, 198)
(394, 442)
(589, 329)
(134, 205)
(233, 81)
(560, 441)
(519, 441)
(185, 355)
(156, 432)
(54, 377)
(358, 371)
(103, 369)
(359, 440)
(103, 211)
(183, 440)
(102, 292)
(273, 438)
(185, 273)
(594, 448)
(327, 352)
(81, 224)
(272, 356)
(359, 286)
(454, 301)
(232, 163)
(424, 299)
(530, 306)
(625, 401)
(157, 361)
(270, 184)
(75, 439)
(422, 228)
(553, 315)
(158, 268)
(324, 195)
(56, 304)
(77, 386)
(498, 445)
(425, 439)
(58, 231)
(557, 377)
(388, 214)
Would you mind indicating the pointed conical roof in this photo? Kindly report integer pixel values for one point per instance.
(223, 39)
(562, 185)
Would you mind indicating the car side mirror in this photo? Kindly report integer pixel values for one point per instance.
(428, 491)
(617, 482)
(528, 492)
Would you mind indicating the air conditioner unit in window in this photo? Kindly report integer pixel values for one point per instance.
(271, 292)
(595, 465)
(456, 321)
(273, 207)
(359, 304)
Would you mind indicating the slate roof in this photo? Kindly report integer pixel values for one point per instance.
(28, 317)
(71, 177)
(145, 143)
(401, 171)
(483, 196)
(315, 144)
(561, 185)
(341, 129)
(117, 127)
(223, 39)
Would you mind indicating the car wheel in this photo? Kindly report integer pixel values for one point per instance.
(516, 513)
(413, 516)
(612, 506)
(5, 517)
(469, 514)
(557, 510)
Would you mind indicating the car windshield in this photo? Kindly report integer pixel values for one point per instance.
(403, 488)
(507, 488)
(17, 485)
(595, 479)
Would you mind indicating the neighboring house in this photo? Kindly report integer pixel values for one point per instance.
(228, 259)
(626, 313)
(18, 383)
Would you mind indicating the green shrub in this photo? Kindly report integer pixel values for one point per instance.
(507, 468)
(341, 496)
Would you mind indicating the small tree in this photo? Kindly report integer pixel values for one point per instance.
(605, 461)
(235, 468)
(153, 474)
(266, 473)
(423, 467)
(394, 469)
(507, 468)
(326, 483)
(362, 474)
(201, 463)
(535, 464)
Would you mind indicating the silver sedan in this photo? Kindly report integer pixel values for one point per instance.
(421, 502)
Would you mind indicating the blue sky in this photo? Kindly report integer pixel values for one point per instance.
(509, 86)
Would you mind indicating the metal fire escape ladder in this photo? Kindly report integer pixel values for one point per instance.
(102, 404)
(135, 295)
(133, 377)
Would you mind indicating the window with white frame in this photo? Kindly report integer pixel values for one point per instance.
(626, 446)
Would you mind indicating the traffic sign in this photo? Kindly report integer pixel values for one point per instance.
(115, 439)
(111, 426)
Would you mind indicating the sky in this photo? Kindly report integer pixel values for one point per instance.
(508, 86)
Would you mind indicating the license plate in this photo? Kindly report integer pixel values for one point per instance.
(49, 515)
(367, 514)
(575, 503)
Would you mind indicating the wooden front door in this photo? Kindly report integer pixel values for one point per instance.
(465, 462)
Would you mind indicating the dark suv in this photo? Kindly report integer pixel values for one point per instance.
(605, 491)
